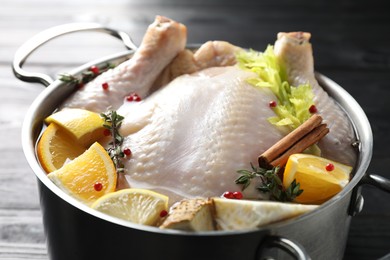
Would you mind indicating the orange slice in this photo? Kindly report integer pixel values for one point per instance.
(89, 176)
(319, 178)
(85, 126)
(55, 147)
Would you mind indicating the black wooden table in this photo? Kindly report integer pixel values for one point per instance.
(351, 41)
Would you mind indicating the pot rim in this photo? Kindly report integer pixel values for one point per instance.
(32, 126)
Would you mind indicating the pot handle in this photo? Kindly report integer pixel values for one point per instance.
(293, 248)
(41, 38)
(357, 200)
(377, 181)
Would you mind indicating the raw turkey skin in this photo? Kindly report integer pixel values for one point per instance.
(295, 55)
(189, 138)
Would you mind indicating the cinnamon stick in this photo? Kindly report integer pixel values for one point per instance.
(307, 134)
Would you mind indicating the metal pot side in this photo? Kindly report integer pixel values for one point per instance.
(76, 232)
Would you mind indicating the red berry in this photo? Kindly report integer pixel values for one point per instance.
(80, 85)
(237, 195)
(133, 97)
(228, 195)
(94, 69)
(105, 86)
(313, 109)
(106, 132)
(272, 103)
(329, 167)
(98, 186)
(127, 152)
(163, 213)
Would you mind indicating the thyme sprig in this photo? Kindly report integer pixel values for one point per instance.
(270, 182)
(112, 122)
(68, 78)
(86, 76)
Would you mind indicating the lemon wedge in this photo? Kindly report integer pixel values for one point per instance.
(319, 178)
(89, 176)
(140, 206)
(85, 126)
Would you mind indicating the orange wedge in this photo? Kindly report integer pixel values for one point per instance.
(319, 178)
(55, 147)
(89, 176)
(85, 126)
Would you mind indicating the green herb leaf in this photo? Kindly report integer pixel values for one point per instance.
(293, 102)
(68, 78)
(112, 122)
(271, 183)
(85, 77)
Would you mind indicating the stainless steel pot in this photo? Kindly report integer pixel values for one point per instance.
(74, 231)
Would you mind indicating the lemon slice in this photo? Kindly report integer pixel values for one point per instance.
(55, 147)
(319, 177)
(89, 176)
(135, 205)
(85, 126)
(231, 214)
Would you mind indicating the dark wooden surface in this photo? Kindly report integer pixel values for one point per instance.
(351, 41)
